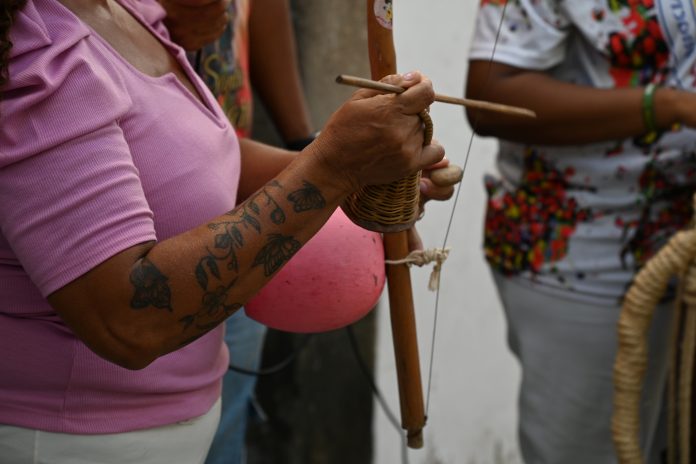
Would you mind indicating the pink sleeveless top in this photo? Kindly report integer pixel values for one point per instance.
(96, 157)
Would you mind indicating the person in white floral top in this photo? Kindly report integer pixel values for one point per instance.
(585, 194)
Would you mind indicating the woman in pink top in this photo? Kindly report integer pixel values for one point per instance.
(121, 249)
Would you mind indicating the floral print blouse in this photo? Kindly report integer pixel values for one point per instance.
(581, 219)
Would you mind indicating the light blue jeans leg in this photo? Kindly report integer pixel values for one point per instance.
(244, 338)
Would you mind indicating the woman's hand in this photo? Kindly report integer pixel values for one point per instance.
(438, 181)
(195, 23)
(375, 138)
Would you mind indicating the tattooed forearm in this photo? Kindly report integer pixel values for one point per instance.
(230, 239)
(307, 198)
(218, 270)
(263, 197)
(215, 308)
(276, 253)
(224, 263)
(151, 286)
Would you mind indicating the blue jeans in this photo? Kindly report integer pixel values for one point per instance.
(244, 338)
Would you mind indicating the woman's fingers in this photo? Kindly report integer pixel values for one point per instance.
(376, 138)
(418, 96)
(438, 181)
(431, 154)
(393, 79)
(431, 191)
(444, 162)
(406, 80)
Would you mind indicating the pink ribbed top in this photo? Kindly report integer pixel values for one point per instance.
(96, 157)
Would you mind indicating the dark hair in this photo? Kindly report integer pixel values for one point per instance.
(7, 12)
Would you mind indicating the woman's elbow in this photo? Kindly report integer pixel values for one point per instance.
(123, 347)
(132, 361)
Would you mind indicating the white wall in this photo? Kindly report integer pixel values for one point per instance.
(474, 385)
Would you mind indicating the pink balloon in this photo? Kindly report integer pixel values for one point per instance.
(333, 281)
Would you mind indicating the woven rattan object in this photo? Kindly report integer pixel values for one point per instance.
(677, 258)
(390, 207)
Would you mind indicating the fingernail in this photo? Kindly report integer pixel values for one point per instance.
(409, 76)
(423, 186)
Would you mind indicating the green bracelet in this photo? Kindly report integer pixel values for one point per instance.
(649, 107)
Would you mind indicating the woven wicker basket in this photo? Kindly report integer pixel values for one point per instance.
(677, 258)
(390, 207)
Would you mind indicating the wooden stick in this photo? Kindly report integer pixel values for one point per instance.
(477, 104)
(405, 340)
(383, 62)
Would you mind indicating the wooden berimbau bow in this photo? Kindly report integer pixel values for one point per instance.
(382, 63)
(393, 209)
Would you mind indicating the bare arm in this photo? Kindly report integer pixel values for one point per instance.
(260, 162)
(152, 299)
(195, 23)
(273, 57)
(273, 68)
(567, 113)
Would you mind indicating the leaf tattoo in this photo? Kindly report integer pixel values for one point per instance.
(307, 198)
(201, 275)
(223, 241)
(251, 221)
(151, 287)
(214, 310)
(276, 252)
(278, 215)
(228, 240)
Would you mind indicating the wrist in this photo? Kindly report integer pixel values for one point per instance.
(318, 164)
(298, 144)
(670, 106)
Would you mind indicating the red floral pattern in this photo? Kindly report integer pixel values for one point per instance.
(648, 233)
(531, 226)
(642, 186)
(639, 54)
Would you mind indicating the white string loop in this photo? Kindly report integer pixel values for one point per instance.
(422, 258)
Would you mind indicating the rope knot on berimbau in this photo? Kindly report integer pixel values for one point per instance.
(422, 258)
